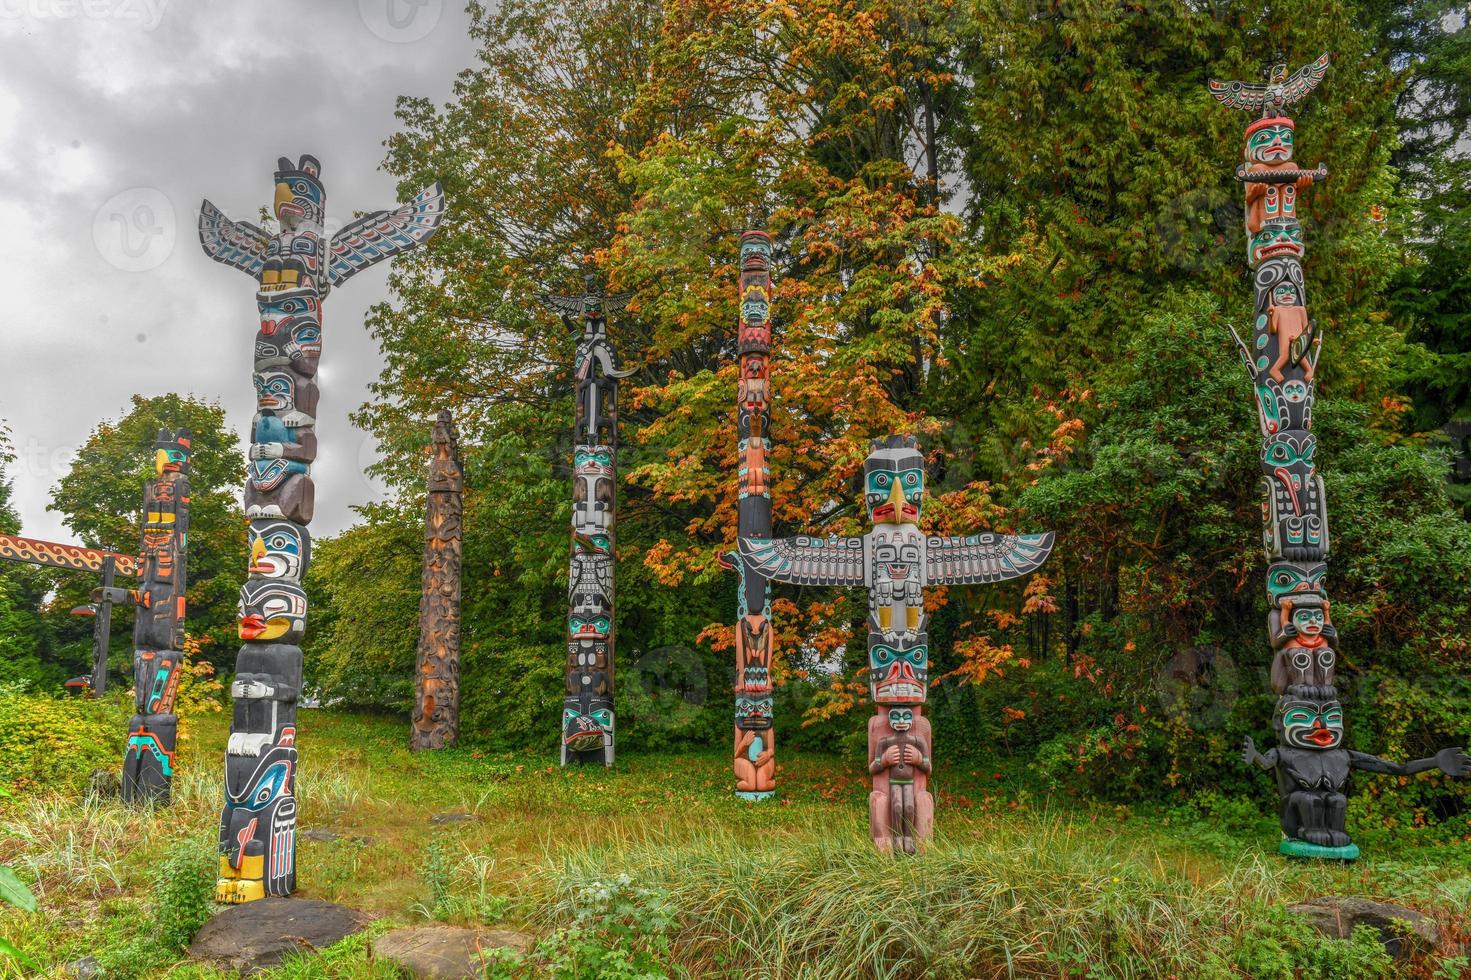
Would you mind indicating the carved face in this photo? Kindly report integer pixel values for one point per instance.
(592, 490)
(299, 199)
(585, 628)
(1288, 458)
(587, 720)
(1308, 724)
(291, 397)
(1279, 237)
(272, 609)
(897, 674)
(752, 714)
(1289, 578)
(753, 655)
(901, 719)
(278, 549)
(290, 330)
(1284, 294)
(894, 484)
(171, 452)
(1270, 144)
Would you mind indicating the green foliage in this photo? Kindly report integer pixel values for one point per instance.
(618, 930)
(54, 742)
(179, 901)
(14, 892)
(1278, 945)
(364, 585)
(101, 496)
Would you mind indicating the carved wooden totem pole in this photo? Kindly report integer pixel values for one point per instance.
(755, 745)
(895, 561)
(1311, 764)
(587, 704)
(158, 627)
(436, 720)
(294, 268)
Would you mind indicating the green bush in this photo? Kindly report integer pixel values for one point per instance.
(50, 742)
(179, 902)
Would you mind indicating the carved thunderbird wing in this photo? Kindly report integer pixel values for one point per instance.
(237, 243)
(806, 561)
(984, 557)
(1245, 95)
(384, 234)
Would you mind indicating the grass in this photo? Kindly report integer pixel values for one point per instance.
(655, 861)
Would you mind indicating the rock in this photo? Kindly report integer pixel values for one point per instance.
(1400, 928)
(259, 935)
(454, 818)
(323, 836)
(104, 784)
(83, 969)
(440, 952)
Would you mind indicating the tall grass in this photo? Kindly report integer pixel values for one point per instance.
(1038, 899)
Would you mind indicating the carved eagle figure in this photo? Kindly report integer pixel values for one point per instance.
(362, 242)
(1280, 91)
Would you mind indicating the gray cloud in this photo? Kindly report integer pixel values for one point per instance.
(116, 118)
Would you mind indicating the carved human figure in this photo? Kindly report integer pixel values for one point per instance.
(1312, 767)
(900, 807)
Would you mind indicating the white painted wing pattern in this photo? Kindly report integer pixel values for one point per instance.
(806, 561)
(237, 243)
(984, 557)
(1246, 95)
(384, 234)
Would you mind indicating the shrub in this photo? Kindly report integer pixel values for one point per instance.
(55, 742)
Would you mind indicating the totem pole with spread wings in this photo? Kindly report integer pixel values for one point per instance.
(896, 561)
(294, 270)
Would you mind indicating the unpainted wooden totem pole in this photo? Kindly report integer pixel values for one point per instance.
(755, 742)
(294, 269)
(587, 704)
(158, 625)
(436, 720)
(896, 561)
(1310, 762)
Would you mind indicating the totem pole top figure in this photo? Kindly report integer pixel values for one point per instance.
(296, 256)
(1280, 91)
(595, 361)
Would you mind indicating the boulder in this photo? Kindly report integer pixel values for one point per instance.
(85, 968)
(259, 935)
(1401, 929)
(441, 818)
(440, 952)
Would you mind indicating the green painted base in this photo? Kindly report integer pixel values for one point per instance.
(768, 794)
(1302, 849)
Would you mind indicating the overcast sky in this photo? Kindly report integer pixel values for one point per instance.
(116, 118)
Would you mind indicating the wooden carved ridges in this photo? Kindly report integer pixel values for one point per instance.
(36, 552)
(896, 561)
(158, 626)
(755, 737)
(587, 705)
(436, 717)
(294, 269)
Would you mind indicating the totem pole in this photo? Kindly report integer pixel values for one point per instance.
(436, 720)
(755, 744)
(158, 627)
(295, 268)
(587, 704)
(895, 561)
(1311, 765)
